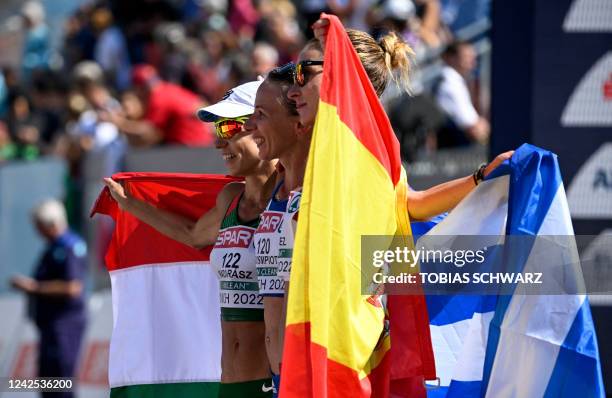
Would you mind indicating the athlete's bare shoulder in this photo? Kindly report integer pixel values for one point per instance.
(269, 186)
(228, 193)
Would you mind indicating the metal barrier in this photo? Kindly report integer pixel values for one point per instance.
(176, 160)
(444, 165)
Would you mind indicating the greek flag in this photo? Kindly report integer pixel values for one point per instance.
(517, 345)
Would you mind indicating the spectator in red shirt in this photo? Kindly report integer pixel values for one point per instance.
(170, 115)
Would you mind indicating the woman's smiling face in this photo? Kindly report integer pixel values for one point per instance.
(272, 126)
(239, 153)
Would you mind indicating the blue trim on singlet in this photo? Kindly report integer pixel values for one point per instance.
(278, 205)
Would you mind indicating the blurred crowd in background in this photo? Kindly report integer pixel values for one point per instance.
(132, 73)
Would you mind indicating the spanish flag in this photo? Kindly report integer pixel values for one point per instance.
(336, 343)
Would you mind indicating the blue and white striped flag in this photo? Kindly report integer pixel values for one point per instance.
(515, 346)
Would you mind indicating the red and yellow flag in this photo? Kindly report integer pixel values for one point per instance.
(354, 185)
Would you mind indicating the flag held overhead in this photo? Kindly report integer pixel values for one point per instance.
(335, 340)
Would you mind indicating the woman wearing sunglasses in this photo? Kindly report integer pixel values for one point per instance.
(282, 132)
(384, 60)
(245, 369)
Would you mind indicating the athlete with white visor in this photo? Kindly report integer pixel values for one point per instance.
(230, 226)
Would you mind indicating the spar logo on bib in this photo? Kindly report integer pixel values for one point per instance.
(270, 222)
(234, 237)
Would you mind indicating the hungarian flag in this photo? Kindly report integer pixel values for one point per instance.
(166, 339)
(335, 339)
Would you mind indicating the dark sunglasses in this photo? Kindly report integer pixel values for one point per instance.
(301, 75)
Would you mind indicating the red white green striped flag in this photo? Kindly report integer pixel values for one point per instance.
(166, 339)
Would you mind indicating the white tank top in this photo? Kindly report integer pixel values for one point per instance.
(233, 257)
(267, 236)
(287, 237)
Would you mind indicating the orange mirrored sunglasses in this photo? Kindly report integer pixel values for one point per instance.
(226, 128)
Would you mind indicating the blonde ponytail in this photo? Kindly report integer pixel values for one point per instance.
(389, 58)
(398, 58)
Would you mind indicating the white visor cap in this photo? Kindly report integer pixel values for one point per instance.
(239, 101)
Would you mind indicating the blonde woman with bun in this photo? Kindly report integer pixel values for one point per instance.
(244, 362)
(384, 60)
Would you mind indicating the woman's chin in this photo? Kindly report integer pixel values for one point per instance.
(264, 154)
(233, 170)
(307, 120)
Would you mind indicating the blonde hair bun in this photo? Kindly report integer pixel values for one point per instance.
(389, 57)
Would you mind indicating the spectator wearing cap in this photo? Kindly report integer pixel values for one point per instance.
(464, 125)
(170, 113)
(56, 293)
